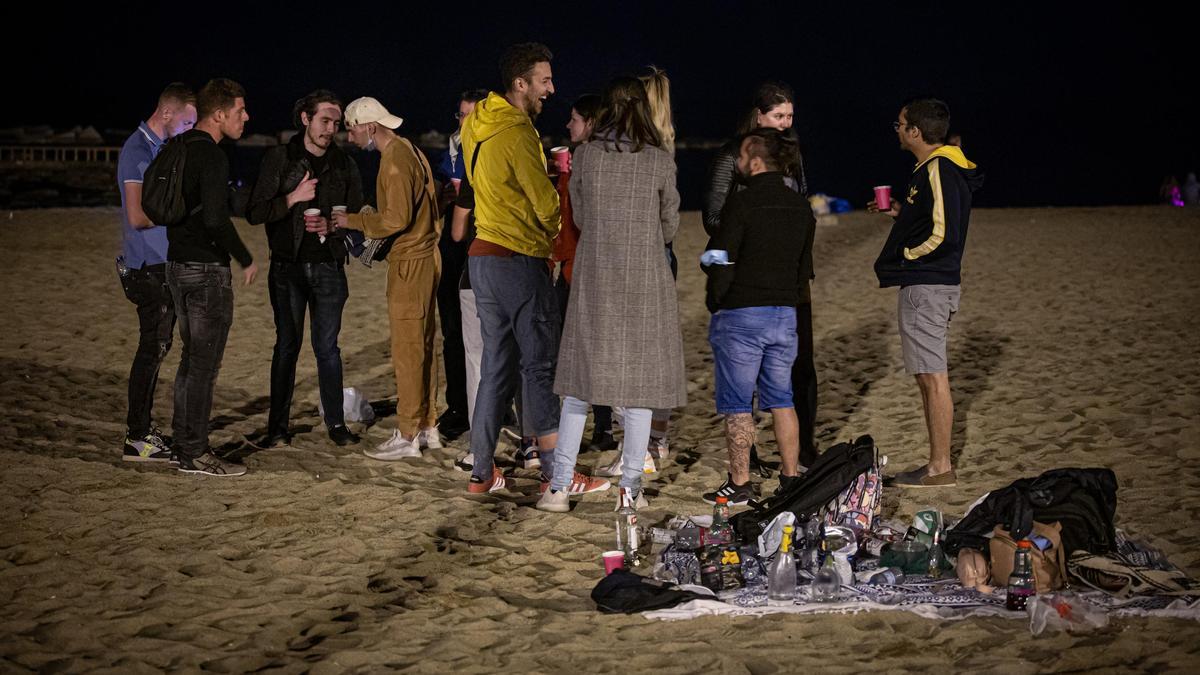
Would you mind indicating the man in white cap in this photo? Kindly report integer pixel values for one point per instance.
(407, 219)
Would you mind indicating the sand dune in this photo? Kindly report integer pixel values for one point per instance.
(1076, 345)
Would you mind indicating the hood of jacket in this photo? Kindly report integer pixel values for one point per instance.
(493, 115)
(970, 172)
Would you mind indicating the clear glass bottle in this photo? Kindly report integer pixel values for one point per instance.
(721, 531)
(1021, 584)
(781, 580)
(936, 556)
(628, 535)
(827, 583)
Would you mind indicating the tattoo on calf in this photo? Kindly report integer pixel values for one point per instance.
(739, 436)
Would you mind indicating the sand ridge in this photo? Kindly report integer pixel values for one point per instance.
(1075, 346)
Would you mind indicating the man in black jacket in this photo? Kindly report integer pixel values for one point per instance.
(923, 256)
(765, 236)
(198, 272)
(307, 259)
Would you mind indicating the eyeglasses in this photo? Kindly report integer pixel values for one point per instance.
(459, 115)
(896, 125)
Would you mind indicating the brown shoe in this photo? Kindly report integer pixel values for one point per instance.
(920, 477)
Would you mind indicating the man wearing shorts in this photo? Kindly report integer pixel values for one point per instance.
(758, 265)
(923, 256)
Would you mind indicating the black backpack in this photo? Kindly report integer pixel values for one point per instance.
(831, 473)
(162, 186)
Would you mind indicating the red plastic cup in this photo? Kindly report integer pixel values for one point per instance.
(613, 561)
(457, 183)
(562, 158)
(883, 197)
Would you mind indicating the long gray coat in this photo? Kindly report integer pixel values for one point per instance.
(621, 343)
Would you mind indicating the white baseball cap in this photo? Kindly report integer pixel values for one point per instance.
(366, 110)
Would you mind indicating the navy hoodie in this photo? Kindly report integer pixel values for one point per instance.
(926, 243)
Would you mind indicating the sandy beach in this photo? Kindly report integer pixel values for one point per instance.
(1077, 344)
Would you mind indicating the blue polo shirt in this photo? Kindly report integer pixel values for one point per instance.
(140, 247)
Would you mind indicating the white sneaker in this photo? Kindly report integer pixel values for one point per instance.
(555, 501)
(429, 438)
(636, 498)
(396, 447)
(614, 469)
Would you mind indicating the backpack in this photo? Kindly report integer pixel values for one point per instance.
(162, 186)
(1049, 566)
(842, 483)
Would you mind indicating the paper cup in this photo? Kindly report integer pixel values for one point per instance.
(562, 158)
(613, 561)
(883, 197)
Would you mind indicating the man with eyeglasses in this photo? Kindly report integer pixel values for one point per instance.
(923, 256)
(449, 172)
(307, 257)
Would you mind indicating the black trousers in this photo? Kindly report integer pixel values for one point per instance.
(454, 354)
(804, 385)
(147, 289)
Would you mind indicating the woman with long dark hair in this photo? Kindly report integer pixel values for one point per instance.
(626, 205)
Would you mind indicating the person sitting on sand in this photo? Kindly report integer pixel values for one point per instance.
(923, 256)
(766, 236)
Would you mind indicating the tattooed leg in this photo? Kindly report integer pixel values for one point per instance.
(739, 436)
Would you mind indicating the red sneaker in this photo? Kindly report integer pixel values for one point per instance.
(496, 484)
(580, 485)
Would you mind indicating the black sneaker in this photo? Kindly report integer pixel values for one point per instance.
(343, 436)
(452, 424)
(527, 456)
(270, 439)
(786, 483)
(602, 442)
(209, 465)
(148, 448)
(738, 495)
(757, 465)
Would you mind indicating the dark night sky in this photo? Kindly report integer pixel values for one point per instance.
(1077, 104)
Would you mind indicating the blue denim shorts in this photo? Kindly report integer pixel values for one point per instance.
(753, 349)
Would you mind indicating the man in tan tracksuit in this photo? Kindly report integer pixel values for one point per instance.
(407, 198)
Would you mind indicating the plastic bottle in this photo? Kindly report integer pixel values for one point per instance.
(1021, 584)
(888, 576)
(721, 531)
(628, 536)
(827, 583)
(781, 580)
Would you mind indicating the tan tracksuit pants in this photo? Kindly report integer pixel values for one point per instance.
(411, 296)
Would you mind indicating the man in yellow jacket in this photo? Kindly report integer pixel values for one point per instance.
(408, 210)
(516, 220)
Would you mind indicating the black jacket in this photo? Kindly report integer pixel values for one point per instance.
(767, 229)
(208, 235)
(283, 167)
(926, 243)
(723, 180)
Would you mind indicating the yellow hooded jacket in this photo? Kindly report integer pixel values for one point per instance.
(516, 205)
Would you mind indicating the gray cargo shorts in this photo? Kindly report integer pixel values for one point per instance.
(924, 312)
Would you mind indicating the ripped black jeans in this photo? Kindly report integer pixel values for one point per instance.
(147, 290)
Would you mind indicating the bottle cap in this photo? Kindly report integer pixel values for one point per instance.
(722, 500)
(787, 529)
(1024, 543)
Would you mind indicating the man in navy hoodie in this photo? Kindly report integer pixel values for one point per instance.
(923, 256)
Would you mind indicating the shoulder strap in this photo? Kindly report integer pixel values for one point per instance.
(475, 155)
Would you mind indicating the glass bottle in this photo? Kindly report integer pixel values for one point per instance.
(628, 536)
(936, 556)
(781, 581)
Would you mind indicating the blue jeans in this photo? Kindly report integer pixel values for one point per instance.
(295, 287)
(753, 347)
(570, 435)
(520, 325)
(203, 299)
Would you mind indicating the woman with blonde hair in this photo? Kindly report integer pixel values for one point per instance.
(627, 208)
(658, 95)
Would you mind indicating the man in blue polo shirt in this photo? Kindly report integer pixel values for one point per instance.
(142, 268)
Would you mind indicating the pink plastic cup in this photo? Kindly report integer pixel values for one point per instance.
(883, 197)
(457, 183)
(613, 561)
(562, 158)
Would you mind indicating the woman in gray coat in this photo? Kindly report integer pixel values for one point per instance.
(621, 344)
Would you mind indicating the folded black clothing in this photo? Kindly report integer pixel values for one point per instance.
(624, 592)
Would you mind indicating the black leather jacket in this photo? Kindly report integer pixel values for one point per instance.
(283, 167)
(723, 178)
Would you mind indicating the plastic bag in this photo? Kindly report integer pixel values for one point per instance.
(1064, 611)
(355, 406)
